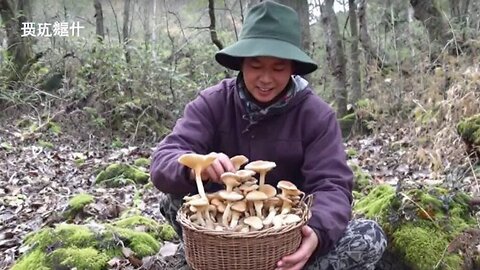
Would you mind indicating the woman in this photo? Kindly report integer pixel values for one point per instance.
(269, 112)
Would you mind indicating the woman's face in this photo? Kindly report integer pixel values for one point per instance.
(266, 77)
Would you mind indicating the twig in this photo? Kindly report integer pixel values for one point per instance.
(473, 172)
(138, 123)
(441, 258)
(421, 208)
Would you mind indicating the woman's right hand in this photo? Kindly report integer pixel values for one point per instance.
(219, 166)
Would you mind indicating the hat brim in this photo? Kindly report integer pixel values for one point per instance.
(231, 56)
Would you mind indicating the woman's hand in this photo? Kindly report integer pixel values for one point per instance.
(216, 169)
(299, 258)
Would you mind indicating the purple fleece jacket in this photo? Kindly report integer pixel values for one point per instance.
(304, 140)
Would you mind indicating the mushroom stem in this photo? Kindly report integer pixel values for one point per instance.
(271, 214)
(258, 208)
(198, 180)
(226, 214)
(262, 178)
(234, 221)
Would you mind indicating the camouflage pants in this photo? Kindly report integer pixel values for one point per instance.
(361, 247)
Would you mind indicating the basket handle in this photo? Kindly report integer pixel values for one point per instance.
(308, 201)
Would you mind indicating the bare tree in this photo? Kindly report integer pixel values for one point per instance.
(355, 63)
(212, 27)
(147, 23)
(367, 44)
(459, 10)
(435, 23)
(99, 20)
(19, 48)
(125, 31)
(335, 55)
(301, 7)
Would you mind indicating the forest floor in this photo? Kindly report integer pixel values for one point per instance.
(41, 170)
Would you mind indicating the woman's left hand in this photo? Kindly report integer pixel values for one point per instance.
(299, 258)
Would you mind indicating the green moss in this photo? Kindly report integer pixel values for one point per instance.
(120, 174)
(33, 260)
(80, 258)
(62, 234)
(424, 247)
(161, 232)
(78, 202)
(142, 162)
(362, 179)
(376, 205)
(351, 152)
(142, 243)
(469, 129)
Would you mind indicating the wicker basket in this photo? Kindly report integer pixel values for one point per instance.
(208, 249)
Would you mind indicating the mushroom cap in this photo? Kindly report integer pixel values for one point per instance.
(195, 161)
(287, 185)
(230, 179)
(291, 218)
(219, 204)
(256, 196)
(239, 206)
(254, 222)
(269, 190)
(248, 188)
(230, 196)
(238, 160)
(244, 175)
(260, 166)
(187, 198)
(284, 198)
(198, 202)
(273, 201)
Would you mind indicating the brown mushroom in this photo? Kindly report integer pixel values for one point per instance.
(288, 188)
(286, 205)
(201, 206)
(261, 167)
(245, 175)
(238, 161)
(230, 180)
(272, 204)
(237, 209)
(197, 163)
(254, 222)
(230, 197)
(257, 198)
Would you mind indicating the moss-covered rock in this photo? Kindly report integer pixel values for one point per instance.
(78, 202)
(79, 258)
(419, 222)
(92, 246)
(469, 130)
(142, 162)
(362, 179)
(121, 174)
(160, 231)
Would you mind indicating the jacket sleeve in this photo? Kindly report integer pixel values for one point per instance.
(329, 178)
(192, 133)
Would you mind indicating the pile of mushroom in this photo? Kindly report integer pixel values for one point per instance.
(246, 204)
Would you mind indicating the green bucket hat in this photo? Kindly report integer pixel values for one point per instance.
(270, 29)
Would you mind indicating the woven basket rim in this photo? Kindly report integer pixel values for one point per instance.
(186, 223)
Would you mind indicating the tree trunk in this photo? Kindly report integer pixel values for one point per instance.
(355, 63)
(436, 25)
(213, 30)
(301, 7)
(99, 20)
(125, 32)
(148, 10)
(459, 10)
(335, 55)
(19, 48)
(367, 44)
